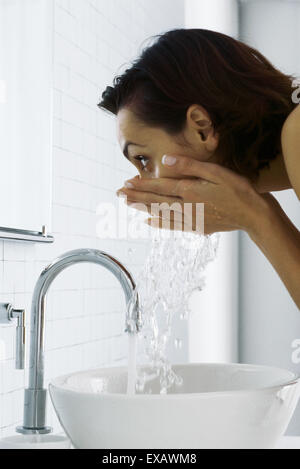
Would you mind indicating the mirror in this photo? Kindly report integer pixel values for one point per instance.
(26, 70)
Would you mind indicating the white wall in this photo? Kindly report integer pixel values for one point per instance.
(269, 319)
(217, 15)
(213, 323)
(85, 307)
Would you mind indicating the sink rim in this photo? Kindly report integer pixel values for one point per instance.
(59, 382)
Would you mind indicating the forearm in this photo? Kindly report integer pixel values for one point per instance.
(279, 240)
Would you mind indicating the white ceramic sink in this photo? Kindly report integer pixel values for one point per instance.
(217, 406)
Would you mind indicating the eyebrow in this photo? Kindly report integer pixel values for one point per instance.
(125, 149)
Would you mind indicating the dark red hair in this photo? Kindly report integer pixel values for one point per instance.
(246, 97)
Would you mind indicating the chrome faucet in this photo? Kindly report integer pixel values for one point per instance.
(35, 394)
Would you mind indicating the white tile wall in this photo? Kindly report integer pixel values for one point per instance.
(85, 305)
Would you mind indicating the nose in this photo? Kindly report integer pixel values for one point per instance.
(161, 171)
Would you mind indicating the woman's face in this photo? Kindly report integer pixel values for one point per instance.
(150, 144)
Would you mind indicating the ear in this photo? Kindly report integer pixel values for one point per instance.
(198, 118)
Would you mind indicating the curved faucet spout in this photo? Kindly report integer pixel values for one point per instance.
(35, 395)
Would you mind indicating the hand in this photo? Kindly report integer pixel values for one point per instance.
(230, 200)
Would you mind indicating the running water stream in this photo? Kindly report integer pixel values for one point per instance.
(173, 269)
(132, 343)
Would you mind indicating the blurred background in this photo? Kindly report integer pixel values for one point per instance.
(60, 158)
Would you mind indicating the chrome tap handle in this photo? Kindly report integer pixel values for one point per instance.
(19, 314)
(8, 314)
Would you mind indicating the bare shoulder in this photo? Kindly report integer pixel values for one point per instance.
(293, 117)
(290, 142)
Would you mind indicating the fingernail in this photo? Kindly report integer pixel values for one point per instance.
(121, 194)
(128, 184)
(168, 160)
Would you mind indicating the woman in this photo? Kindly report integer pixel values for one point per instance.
(207, 119)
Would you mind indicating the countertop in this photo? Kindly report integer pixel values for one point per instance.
(289, 442)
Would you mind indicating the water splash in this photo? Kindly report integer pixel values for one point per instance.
(173, 269)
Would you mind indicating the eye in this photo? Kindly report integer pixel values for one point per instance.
(143, 160)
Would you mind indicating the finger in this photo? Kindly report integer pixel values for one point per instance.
(188, 166)
(187, 222)
(158, 222)
(163, 186)
(188, 214)
(140, 207)
(156, 209)
(148, 197)
(168, 224)
(173, 225)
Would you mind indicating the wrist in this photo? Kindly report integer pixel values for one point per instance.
(266, 214)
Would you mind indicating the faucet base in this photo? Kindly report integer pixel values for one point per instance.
(33, 431)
